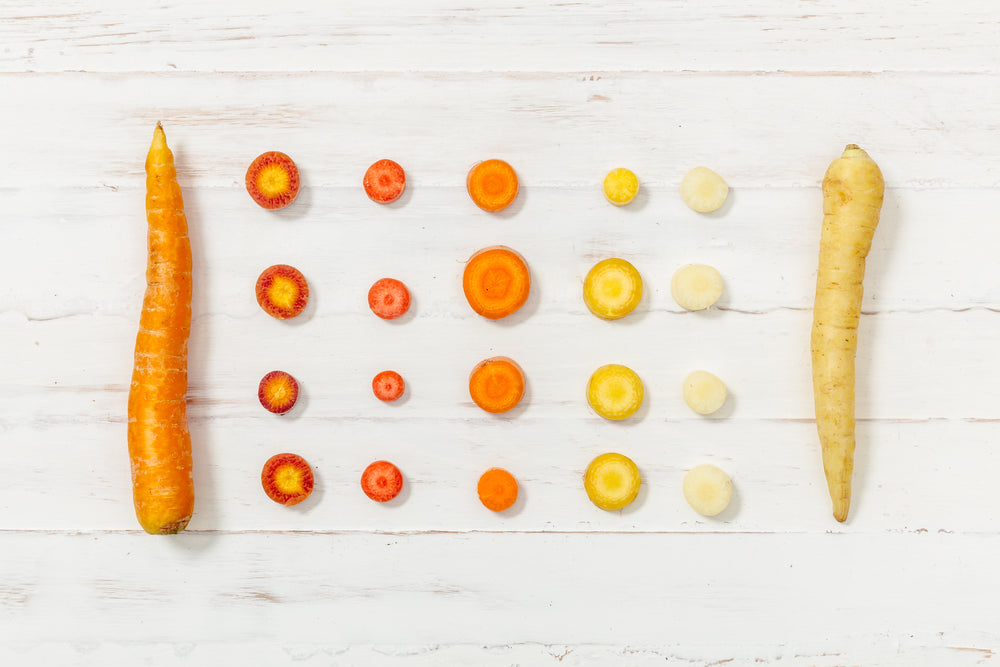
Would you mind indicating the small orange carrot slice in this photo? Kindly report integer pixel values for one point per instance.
(497, 489)
(497, 384)
(278, 392)
(496, 282)
(381, 481)
(384, 182)
(388, 386)
(287, 479)
(282, 291)
(388, 298)
(492, 184)
(273, 180)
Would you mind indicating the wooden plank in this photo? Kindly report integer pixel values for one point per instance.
(691, 598)
(557, 129)
(758, 35)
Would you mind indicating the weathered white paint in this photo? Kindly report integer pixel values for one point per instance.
(767, 93)
(499, 35)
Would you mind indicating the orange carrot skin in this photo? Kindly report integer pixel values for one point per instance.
(159, 442)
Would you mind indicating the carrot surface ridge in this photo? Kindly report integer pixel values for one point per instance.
(159, 442)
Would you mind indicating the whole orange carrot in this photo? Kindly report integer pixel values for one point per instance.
(159, 443)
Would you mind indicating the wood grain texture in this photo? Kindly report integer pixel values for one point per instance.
(765, 92)
(500, 35)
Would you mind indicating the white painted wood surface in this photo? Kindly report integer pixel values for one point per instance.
(767, 93)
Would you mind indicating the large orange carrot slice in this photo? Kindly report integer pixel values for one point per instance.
(158, 440)
(492, 185)
(497, 384)
(496, 282)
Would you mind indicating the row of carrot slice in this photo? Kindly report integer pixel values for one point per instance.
(288, 479)
(273, 182)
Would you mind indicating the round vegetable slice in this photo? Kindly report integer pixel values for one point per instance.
(273, 180)
(496, 282)
(703, 392)
(621, 186)
(497, 489)
(388, 298)
(388, 386)
(492, 184)
(384, 182)
(612, 289)
(497, 384)
(696, 286)
(381, 481)
(707, 489)
(282, 291)
(278, 392)
(612, 481)
(615, 391)
(287, 479)
(703, 190)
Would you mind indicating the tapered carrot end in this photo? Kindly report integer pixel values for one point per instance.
(159, 138)
(840, 510)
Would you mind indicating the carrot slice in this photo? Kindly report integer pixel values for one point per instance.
(388, 298)
(287, 479)
(278, 392)
(492, 184)
(273, 180)
(388, 386)
(384, 182)
(497, 489)
(381, 481)
(282, 291)
(496, 384)
(496, 282)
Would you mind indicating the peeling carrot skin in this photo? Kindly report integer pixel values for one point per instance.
(381, 481)
(388, 386)
(492, 185)
(497, 489)
(282, 291)
(389, 298)
(287, 479)
(272, 180)
(384, 182)
(159, 441)
(277, 392)
(497, 384)
(496, 282)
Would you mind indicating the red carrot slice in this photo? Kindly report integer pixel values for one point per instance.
(273, 180)
(388, 298)
(384, 182)
(278, 392)
(388, 386)
(287, 479)
(282, 291)
(381, 481)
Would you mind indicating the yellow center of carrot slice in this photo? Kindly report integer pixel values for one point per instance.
(279, 389)
(274, 180)
(288, 479)
(283, 292)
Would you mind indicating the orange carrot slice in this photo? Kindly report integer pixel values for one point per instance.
(492, 184)
(497, 489)
(496, 282)
(384, 182)
(388, 298)
(381, 481)
(278, 392)
(497, 384)
(287, 479)
(273, 180)
(388, 386)
(282, 291)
